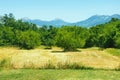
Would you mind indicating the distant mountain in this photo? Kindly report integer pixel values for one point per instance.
(96, 19)
(92, 21)
(55, 22)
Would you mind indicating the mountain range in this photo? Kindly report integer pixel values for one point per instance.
(91, 21)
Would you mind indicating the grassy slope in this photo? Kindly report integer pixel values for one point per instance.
(38, 58)
(29, 74)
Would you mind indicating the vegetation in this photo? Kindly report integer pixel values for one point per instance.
(39, 58)
(28, 36)
(30, 41)
(36, 74)
(115, 52)
(70, 38)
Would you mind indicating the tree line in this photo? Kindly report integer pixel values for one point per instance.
(28, 36)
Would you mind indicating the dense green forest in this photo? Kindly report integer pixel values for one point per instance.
(28, 36)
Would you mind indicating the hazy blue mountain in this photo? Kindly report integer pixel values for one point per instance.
(92, 21)
(55, 22)
(96, 19)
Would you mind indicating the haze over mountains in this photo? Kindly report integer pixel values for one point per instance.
(92, 21)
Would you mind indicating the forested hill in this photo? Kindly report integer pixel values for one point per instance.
(27, 35)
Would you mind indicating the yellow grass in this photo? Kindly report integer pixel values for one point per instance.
(38, 58)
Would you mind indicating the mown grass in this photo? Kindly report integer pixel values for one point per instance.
(68, 74)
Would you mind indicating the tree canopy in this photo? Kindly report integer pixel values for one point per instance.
(28, 36)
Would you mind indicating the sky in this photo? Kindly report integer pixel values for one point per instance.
(67, 10)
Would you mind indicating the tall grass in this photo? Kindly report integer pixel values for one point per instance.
(118, 68)
(66, 65)
(46, 59)
(5, 63)
(115, 52)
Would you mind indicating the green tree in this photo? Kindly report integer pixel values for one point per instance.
(48, 36)
(117, 40)
(70, 38)
(29, 39)
(8, 20)
(6, 36)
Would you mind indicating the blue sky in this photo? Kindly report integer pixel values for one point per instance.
(68, 10)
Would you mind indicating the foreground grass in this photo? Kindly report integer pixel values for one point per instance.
(36, 74)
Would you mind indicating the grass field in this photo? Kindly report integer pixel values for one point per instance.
(115, 52)
(36, 74)
(54, 64)
(56, 58)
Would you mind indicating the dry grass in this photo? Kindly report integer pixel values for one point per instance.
(42, 58)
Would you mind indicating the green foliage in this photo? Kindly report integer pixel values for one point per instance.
(70, 38)
(18, 33)
(28, 39)
(8, 20)
(93, 39)
(65, 40)
(117, 40)
(6, 36)
(27, 35)
(104, 35)
(48, 35)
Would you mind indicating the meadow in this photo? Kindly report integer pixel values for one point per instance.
(55, 58)
(55, 64)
